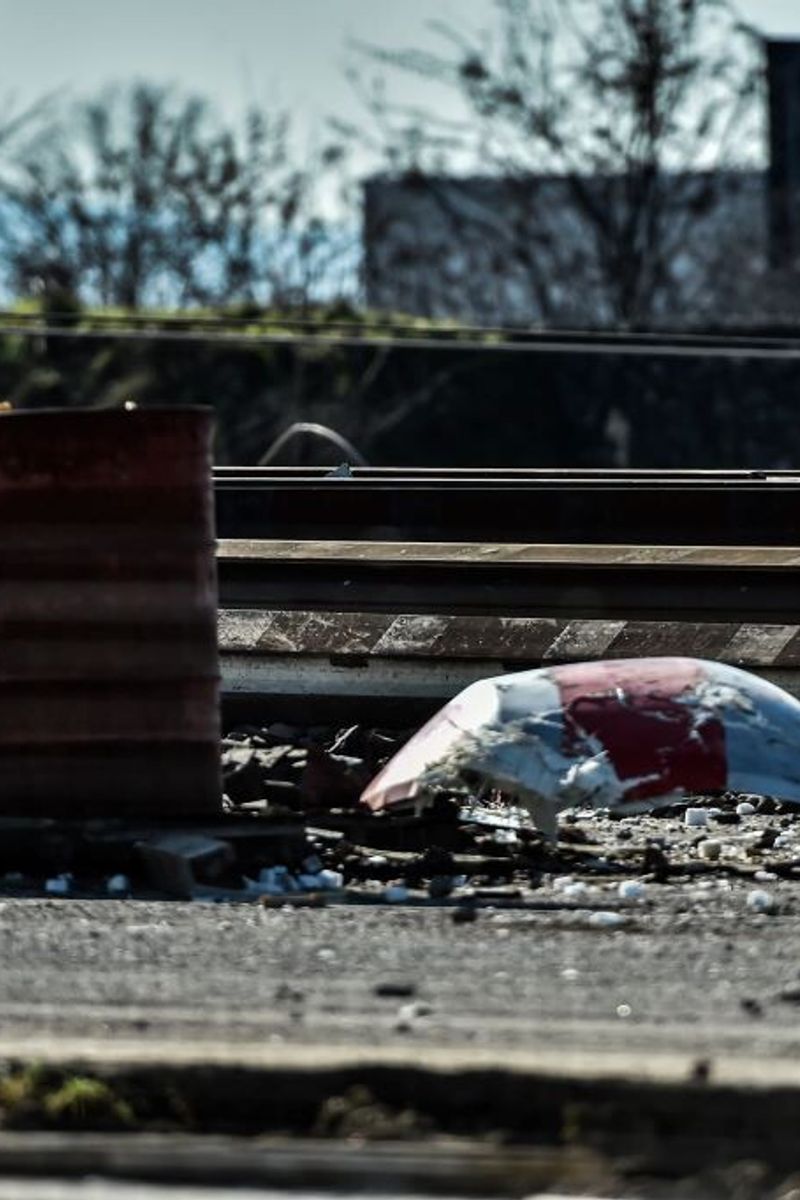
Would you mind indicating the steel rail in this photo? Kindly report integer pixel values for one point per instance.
(327, 625)
(728, 508)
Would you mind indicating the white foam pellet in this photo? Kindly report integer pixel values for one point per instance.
(118, 885)
(575, 890)
(570, 973)
(695, 818)
(606, 920)
(745, 809)
(624, 1010)
(395, 893)
(632, 889)
(60, 886)
(761, 901)
(765, 877)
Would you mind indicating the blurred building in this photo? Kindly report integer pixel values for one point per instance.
(718, 247)
(521, 250)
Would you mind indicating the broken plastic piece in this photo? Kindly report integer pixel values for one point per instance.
(626, 735)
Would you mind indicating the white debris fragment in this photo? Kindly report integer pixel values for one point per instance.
(576, 889)
(309, 883)
(118, 885)
(61, 885)
(761, 901)
(506, 837)
(562, 882)
(710, 850)
(783, 840)
(745, 809)
(632, 889)
(272, 881)
(395, 893)
(606, 920)
(624, 1010)
(331, 881)
(321, 881)
(765, 877)
(695, 818)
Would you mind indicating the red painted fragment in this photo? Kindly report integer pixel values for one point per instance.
(639, 714)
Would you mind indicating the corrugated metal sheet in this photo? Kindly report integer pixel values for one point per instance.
(108, 652)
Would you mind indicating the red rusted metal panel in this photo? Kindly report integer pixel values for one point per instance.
(109, 669)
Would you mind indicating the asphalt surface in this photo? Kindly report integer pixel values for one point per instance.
(691, 969)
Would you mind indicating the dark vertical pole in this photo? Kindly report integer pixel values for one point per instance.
(783, 74)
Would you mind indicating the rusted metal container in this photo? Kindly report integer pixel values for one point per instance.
(108, 603)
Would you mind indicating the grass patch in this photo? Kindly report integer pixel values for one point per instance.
(35, 1096)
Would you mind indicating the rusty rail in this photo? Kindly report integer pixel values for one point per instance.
(722, 508)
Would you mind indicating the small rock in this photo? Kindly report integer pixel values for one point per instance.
(745, 809)
(465, 914)
(751, 1007)
(761, 901)
(396, 990)
(710, 850)
(440, 886)
(728, 818)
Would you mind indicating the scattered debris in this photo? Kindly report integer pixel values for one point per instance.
(284, 843)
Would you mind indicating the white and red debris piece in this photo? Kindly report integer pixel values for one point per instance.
(626, 735)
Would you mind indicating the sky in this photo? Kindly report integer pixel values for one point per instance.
(285, 53)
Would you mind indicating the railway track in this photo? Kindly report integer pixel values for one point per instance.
(394, 624)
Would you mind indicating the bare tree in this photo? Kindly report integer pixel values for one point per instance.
(613, 130)
(142, 197)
